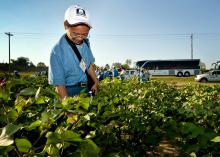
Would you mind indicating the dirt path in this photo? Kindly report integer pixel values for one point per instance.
(165, 149)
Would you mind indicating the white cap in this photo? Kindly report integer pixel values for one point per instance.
(75, 14)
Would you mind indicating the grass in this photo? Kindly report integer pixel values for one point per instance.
(178, 81)
(23, 74)
(181, 81)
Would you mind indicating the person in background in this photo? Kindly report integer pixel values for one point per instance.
(105, 73)
(16, 74)
(122, 73)
(2, 83)
(141, 74)
(101, 74)
(66, 72)
(145, 75)
(115, 72)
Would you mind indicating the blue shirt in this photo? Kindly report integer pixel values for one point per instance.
(64, 66)
(115, 72)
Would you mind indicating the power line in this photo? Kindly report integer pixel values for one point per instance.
(124, 35)
(139, 37)
(35, 33)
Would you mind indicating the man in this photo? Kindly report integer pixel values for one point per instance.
(145, 75)
(66, 72)
(115, 72)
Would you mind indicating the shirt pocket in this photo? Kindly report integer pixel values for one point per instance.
(70, 68)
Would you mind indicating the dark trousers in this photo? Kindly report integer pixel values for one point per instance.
(72, 90)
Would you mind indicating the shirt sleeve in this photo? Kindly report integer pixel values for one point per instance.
(92, 61)
(91, 57)
(56, 71)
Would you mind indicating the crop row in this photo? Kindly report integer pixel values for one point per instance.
(125, 118)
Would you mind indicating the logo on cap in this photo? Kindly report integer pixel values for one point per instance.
(80, 12)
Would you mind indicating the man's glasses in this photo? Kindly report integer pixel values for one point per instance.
(78, 35)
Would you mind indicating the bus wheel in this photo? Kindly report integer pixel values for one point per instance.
(179, 74)
(187, 74)
(203, 80)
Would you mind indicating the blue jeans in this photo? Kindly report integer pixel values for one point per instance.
(71, 90)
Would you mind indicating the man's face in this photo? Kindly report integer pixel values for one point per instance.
(78, 33)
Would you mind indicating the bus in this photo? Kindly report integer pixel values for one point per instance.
(178, 67)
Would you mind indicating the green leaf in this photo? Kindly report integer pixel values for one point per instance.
(12, 115)
(216, 139)
(9, 130)
(89, 148)
(23, 145)
(38, 93)
(91, 134)
(192, 154)
(33, 125)
(192, 130)
(197, 130)
(28, 92)
(71, 136)
(6, 133)
(68, 102)
(45, 117)
(49, 92)
(84, 103)
(6, 142)
(4, 94)
(107, 114)
(217, 110)
(53, 138)
(52, 150)
(114, 154)
(40, 100)
(19, 103)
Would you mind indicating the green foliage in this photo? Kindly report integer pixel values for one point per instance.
(23, 145)
(216, 139)
(126, 118)
(6, 133)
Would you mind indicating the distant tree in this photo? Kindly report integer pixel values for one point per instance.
(128, 62)
(21, 61)
(3, 67)
(31, 65)
(116, 65)
(125, 66)
(22, 64)
(41, 65)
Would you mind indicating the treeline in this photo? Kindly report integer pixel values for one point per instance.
(22, 64)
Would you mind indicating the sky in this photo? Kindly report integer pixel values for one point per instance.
(122, 29)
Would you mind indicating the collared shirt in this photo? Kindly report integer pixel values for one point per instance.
(64, 66)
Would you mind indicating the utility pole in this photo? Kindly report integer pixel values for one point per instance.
(191, 36)
(9, 50)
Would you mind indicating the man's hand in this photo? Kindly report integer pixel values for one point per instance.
(95, 87)
(94, 78)
(62, 91)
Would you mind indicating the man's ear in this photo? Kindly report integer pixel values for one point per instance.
(65, 27)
